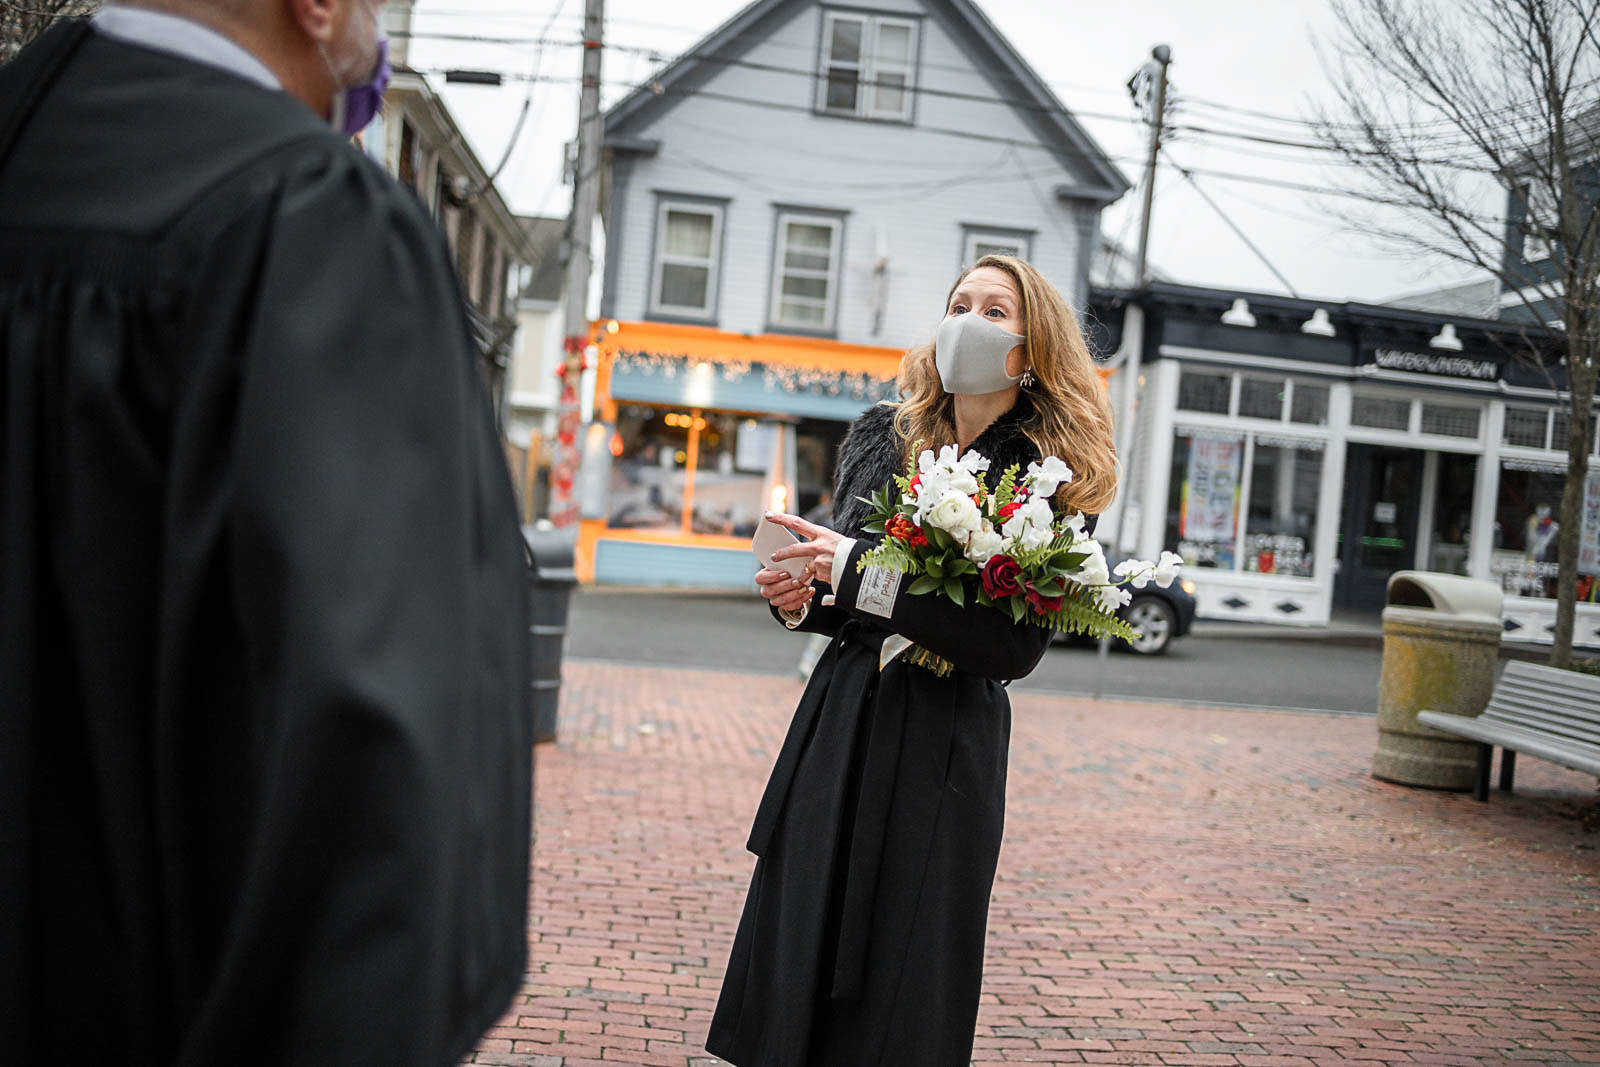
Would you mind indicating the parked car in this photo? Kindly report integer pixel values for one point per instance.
(1160, 615)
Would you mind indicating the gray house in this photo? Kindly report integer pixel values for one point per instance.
(788, 204)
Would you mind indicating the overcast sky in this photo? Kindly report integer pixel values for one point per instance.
(1235, 53)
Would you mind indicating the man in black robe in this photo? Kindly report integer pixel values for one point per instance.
(264, 755)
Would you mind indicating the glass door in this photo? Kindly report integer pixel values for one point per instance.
(1379, 524)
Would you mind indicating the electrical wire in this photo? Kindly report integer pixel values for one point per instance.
(1057, 110)
(522, 115)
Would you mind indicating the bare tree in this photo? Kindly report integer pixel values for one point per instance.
(23, 20)
(1452, 111)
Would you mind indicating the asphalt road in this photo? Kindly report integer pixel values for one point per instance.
(736, 633)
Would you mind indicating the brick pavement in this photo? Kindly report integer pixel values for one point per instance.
(1178, 886)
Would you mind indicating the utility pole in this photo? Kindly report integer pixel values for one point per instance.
(585, 202)
(1133, 315)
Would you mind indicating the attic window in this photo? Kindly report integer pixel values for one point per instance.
(868, 63)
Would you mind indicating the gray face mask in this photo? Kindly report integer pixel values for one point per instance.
(970, 354)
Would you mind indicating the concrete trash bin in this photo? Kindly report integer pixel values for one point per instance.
(551, 576)
(1441, 642)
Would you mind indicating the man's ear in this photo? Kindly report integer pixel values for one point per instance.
(317, 19)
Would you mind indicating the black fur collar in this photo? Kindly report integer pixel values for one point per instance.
(872, 454)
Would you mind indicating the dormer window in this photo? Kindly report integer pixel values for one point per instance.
(868, 66)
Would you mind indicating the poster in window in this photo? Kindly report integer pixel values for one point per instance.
(1589, 532)
(1210, 496)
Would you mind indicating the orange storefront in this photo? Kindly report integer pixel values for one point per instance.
(697, 431)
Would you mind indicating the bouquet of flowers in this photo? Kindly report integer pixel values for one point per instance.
(1008, 548)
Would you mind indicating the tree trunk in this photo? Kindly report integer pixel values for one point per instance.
(1580, 440)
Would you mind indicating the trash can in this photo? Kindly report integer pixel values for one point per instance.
(1441, 642)
(551, 577)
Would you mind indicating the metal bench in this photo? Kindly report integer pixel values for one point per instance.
(1545, 712)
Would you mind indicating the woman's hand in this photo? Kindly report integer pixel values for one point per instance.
(785, 593)
(817, 549)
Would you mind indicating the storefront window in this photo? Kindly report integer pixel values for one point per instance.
(1261, 398)
(1280, 528)
(648, 476)
(1380, 412)
(1452, 513)
(1310, 404)
(1203, 503)
(1204, 391)
(1525, 531)
(1203, 506)
(730, 474)
(1449, 420)
(1526, 427)
(724, 469)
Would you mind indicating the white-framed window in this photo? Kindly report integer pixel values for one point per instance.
(868, 66)
(806, 270)
(688, 247)
(980, 243)
(1539, 221)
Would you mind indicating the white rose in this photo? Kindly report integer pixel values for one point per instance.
(1112, 597)
(956, 514)
(983, 545)
(1048, 475)
(1166, 569)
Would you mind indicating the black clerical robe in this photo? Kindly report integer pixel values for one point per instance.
(264, 754)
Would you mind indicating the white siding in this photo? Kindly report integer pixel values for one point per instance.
(911, 187)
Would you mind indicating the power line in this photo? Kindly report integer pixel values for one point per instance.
(700, 33)
(1234, 226)
(1052, 108)
(772, 105)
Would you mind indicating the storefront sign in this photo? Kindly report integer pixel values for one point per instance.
(1210, 490)
(1589, 535)
(1481, 370)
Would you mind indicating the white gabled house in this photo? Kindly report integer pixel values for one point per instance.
(788, 203)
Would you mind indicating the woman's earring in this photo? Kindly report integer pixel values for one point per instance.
(1027, 378)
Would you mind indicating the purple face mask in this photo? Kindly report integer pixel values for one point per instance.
(354, 106)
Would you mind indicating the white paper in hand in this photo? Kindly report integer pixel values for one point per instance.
(769, 538)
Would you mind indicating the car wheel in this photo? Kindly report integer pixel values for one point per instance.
(1155, 620)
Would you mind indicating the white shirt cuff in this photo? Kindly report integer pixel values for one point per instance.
(841, 556)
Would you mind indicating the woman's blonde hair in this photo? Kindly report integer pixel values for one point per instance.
(1071, 417)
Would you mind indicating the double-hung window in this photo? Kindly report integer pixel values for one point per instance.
(688, 247)
(978, 243)
(805, 275)
(869, 64)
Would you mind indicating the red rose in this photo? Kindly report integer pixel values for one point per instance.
(1045, 605)
(1007, 510)
(918, 538)
(901, 528)
(916, 482)
(1000, 577)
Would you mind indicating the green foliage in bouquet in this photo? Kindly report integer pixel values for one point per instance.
(1030, 584)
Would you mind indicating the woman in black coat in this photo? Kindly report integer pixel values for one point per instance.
(862, 936)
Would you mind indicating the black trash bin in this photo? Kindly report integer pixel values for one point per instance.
(550, 580)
